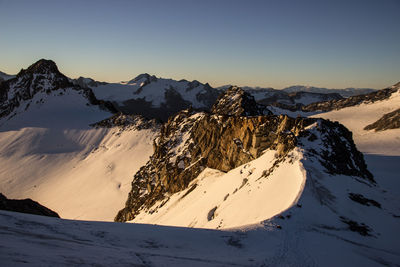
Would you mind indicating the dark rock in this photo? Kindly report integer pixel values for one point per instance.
(25, 206)
(125, 122)
(388, 121)
(363, 200)
(237, 102)
(354, 226)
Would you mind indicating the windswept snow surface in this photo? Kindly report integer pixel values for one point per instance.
(357, 117)
(48, 152)
(240, 197)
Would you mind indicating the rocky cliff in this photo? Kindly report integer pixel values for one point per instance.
(189, 142)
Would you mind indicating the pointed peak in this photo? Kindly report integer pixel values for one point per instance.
(237, 102)
(43, 66)
(144, 77)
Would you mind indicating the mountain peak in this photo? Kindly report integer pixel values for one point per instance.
(144, 77)
(43, 66)
(237, 102)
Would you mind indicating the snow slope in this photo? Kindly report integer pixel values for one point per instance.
(48, 152)
(312, 232)
(357, 117)
(240, 197)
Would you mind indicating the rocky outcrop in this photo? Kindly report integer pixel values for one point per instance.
(388, 121)
(127, 122)
(42, 76)
(189, 142)
(236, 102)
(25, 206)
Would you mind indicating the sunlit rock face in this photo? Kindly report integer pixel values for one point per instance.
(189, 142)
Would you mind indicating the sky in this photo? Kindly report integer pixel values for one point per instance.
(333, 44)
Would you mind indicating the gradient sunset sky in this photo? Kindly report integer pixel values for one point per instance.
(334, 44)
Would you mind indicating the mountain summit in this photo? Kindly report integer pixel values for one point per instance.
(237, 102)
(41, 78)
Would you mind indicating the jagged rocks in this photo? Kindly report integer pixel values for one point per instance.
(237, 102)
(25, 206)
(388, 121)
(335, 149)
(127, 122)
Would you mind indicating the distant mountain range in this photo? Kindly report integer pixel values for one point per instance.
(159, 98)
(346, 92)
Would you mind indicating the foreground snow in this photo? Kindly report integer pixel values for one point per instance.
(50, 153)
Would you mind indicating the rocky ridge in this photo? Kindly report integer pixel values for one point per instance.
(25, 206)
(237, 102)
(127, 122)
(326, 106)
(388, 121)
(189, 142)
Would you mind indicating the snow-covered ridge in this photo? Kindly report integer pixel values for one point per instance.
(155, 97)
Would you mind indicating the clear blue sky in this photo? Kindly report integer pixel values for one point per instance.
(333, 44)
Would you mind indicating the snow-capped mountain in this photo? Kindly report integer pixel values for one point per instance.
(40, 82)
(154, 97)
